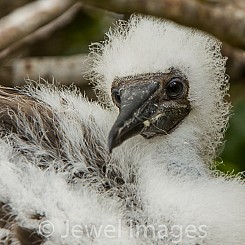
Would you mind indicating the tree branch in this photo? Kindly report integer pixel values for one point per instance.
(223, 19)
(65, 70)
(41, 33)
(27, 19)
(7, 6)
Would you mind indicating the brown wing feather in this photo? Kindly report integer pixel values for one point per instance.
(13, 103)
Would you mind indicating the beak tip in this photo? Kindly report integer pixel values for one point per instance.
(112, 143)
(110, 148)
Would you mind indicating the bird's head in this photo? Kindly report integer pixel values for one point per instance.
(161, 78)
(149, 105)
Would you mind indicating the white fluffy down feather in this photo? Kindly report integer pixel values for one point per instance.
(69, 189)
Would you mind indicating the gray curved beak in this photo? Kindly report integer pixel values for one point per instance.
(130, 121)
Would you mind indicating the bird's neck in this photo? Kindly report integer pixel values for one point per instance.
(170, 155)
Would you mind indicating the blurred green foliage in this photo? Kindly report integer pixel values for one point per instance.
(233, 154)
(86, 27)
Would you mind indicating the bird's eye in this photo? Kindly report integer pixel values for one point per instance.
(115, 94)
(174, 88)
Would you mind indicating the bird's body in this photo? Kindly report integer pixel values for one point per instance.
(154, 188)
